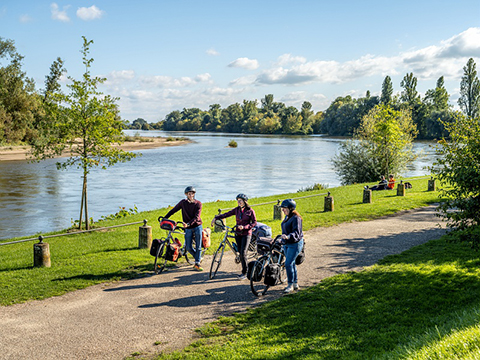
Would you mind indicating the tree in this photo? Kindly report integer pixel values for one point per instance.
(457, 168)
(383, 142)
(52, 84)
(139, 123)
(387, 90)
(469, 100)
(437, 99)
(19, 103)
(409, 93)
(88, 126)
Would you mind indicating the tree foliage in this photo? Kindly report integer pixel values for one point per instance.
(458, 170)
(469, 100)
(87, 125)
(382, 145)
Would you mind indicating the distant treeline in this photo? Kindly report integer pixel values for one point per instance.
(341, 118)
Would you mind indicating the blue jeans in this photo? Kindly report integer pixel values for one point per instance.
(197, 251)
(291, 253)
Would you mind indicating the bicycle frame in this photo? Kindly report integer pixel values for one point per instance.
(275, 256)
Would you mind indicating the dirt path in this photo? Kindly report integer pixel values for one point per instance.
(113, 321)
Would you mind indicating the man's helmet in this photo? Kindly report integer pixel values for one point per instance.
(190, 189)
(289, 204)
(242, 196)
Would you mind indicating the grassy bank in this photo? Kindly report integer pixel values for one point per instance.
(83, 260)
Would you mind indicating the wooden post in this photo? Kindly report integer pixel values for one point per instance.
(277, 211)
(431, 185)
(144, 236)
(401, 189)
(367, 196)
(41, 254)
(328, 203)
(219, 228)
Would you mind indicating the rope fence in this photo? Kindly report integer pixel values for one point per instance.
(42, 252)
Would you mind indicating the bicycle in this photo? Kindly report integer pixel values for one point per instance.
(272, 256)
(218, 256)
(161, 257)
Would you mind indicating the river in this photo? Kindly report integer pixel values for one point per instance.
(37, 198)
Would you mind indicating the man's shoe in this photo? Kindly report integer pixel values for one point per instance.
(242, 277)
(197, 267)
(295, 286)
(288, 289)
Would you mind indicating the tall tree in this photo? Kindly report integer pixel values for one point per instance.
(409, 93)
(88, 123)
(469, 100)
(19, 102)
(387, 90)
(437, 99)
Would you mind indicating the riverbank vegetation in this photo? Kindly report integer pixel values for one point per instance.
(82, 260)
(341, 118)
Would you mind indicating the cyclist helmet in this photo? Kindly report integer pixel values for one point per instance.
(289, 204)
(242, 196)
(190, 189)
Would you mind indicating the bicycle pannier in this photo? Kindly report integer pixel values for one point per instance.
(254, 271)
(206, 238)
(167, 224)
(264, 244)
(272, 274)
(155, 245)
(300, 257)
(172, 252)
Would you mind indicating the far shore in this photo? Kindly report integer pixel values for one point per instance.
(18, 153)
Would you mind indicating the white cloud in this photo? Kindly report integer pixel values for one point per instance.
(286, 59)
(243, 81)
(90, 13)
(171, 82)
(25, 18)
(59, 15)
(212, 52)
(245, 63)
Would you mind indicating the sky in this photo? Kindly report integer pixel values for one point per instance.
(166, 55)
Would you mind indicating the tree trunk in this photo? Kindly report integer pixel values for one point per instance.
(87, 223)
(81, 206)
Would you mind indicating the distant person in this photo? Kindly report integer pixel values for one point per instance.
(382, 185)
(391, 182)
(191, 212)
(246, 221)
(292, 238)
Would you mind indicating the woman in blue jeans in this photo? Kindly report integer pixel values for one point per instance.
(292, 238)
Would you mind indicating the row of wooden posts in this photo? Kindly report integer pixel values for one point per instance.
(41, 250)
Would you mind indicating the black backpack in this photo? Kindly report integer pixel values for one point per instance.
(272, 274)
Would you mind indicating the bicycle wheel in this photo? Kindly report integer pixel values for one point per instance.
(217, 260)
(160, 260)
(257, 283)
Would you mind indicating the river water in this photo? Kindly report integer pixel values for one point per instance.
(36, 197)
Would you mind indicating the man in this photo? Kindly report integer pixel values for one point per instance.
(191, 212)
(382, 185)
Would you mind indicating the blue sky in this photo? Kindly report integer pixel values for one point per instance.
(160, 56)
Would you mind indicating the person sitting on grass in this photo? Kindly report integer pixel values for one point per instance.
(391, 182)
(382, 185)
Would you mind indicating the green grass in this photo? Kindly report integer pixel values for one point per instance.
(421, 304)
(82, 260)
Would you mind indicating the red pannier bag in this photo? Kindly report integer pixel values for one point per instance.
(167, 224)
(206, 238)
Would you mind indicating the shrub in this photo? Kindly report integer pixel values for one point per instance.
(232, 144)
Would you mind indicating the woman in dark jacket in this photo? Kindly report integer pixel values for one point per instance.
(292, 238)
(246, 221)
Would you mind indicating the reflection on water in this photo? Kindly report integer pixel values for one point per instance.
(36, 197)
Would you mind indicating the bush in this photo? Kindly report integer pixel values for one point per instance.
(232, 144)
(313, 188)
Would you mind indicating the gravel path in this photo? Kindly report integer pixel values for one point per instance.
(154, 313)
